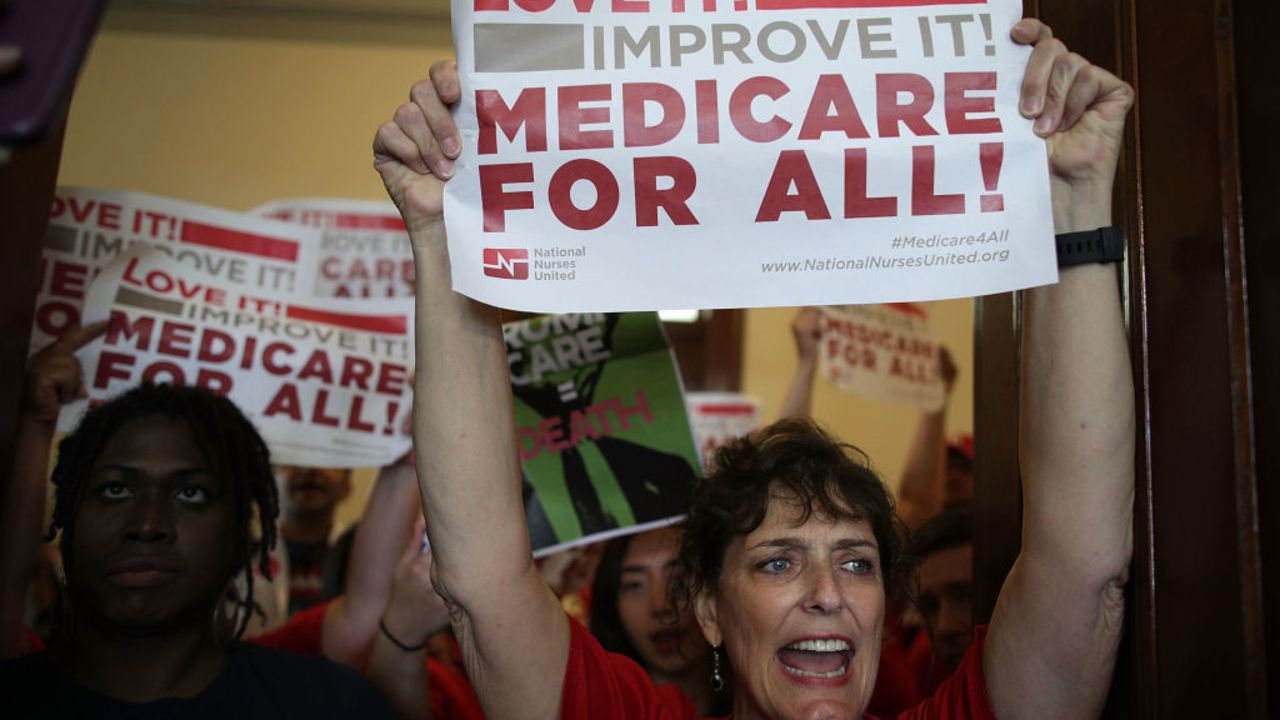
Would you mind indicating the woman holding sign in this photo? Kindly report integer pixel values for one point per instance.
(790, 551)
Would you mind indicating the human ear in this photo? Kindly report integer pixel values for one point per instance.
(705, 611)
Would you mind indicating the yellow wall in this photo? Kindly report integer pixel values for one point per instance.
(235, 122)
(238, 110)
(881, 429)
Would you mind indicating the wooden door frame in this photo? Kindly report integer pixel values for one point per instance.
(1205, 349)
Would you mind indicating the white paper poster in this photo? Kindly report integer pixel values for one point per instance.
(90, 227)
(326, 381)
(882, 351)
(364, 247)
(719, 417)
(628, 154)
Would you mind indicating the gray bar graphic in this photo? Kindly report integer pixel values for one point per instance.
(60, 238)
(133, 298)
(515, 47)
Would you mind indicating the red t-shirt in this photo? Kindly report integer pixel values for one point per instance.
(451, 694)
(896, 688)
(35, 643)
(600, 684)
(302, 635)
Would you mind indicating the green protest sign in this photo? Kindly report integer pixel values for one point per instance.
(603, 434)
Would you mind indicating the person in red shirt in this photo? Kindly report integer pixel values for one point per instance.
(310, 500)
(942, 550)
(632, 614)
(790, 550)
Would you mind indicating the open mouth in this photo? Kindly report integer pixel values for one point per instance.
(817, 659)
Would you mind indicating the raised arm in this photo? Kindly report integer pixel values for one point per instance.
(53, 378)
(509, 625)
(398, 665)
(351, 620)
(807, 334)
(1057, 624)
(921, 490)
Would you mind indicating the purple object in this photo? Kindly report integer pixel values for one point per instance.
(54, 36)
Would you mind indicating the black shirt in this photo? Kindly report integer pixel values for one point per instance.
(255, 683)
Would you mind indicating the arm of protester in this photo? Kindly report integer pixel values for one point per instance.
(54, 378)
(1057, 624)
(807, 333)
(398, 665)
(924, 475)
(351, 621)
(503, 613)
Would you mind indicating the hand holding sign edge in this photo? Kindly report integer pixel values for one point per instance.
(1080, 109)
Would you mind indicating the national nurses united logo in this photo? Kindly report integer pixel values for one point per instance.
(506, 263)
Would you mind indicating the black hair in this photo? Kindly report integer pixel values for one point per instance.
(230, 445)
(606, 623)
(957, 458)
(796, 459)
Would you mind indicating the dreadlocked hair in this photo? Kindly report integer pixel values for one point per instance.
(230, 445)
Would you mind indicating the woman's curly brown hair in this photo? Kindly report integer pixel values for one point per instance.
(795, 460)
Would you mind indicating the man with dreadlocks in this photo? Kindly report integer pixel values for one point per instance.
(158, 497)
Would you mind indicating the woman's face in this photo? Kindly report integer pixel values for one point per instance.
(669, 645)
(799, 608)
(154, 539)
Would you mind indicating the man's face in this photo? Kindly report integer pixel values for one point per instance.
(155, 533)
(945, 600)
(314, 490)
(958, 487)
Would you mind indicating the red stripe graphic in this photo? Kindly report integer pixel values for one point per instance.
(910, 309)
(238, 241)
(726, 409)
(811, 4)
(393, 324)
(356, 221)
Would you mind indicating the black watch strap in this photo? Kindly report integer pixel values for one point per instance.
(1104, 245)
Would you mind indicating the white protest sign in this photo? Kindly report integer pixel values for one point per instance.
(90, 227)
(718, 417)
(364, 247)
(631, 154)
(325, 381)
(884, 352)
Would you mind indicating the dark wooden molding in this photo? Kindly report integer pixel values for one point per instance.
(709, 351)
(1257, 117)
(997, 490)
(27, 183)
(1196, 196)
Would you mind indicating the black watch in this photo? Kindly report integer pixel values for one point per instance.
(1104, 245)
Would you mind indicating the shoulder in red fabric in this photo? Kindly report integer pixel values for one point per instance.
(599, 685)
(964, 695)
(451, 695)
(34, 642)
(302, 635)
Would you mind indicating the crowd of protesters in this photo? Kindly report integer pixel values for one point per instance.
(799, 586)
